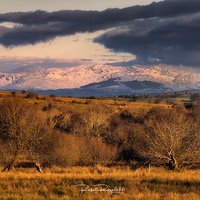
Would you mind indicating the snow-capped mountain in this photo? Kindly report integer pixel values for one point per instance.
(174, 78)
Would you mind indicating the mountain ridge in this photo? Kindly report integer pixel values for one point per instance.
(38, 78)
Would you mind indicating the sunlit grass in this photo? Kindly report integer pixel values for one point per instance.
(60, 183)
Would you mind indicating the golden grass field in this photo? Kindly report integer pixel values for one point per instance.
(60, 183)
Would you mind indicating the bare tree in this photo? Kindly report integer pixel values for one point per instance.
(172, 139)
(20, 129)
(96, 121)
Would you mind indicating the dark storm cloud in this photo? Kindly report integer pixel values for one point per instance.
(43, 26)
(158, 40)
(22, 35)
(109, 16)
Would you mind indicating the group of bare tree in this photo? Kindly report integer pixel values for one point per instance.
(167, 137)
(27, 133)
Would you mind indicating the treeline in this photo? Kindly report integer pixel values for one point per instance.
(59, 136)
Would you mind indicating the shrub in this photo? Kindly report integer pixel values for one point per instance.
(74, 150)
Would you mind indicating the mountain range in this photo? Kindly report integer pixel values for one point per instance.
(100, 80)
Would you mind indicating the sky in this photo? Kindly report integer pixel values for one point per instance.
(52, 5)
(67, 33)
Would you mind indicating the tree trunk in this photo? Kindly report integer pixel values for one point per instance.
(173, 164)
(11, 164)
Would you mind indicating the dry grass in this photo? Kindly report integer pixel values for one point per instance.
(60, 183)
(81, 104)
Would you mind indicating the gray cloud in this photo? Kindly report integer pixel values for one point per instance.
(158, 40)
(41, 26)
(160, 9)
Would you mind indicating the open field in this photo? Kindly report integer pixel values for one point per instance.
(60, 183)
(115, 105)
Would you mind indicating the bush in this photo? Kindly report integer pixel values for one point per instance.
(74, 150)
(95, 151)
(31, 95)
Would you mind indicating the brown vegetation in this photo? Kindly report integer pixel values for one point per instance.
(115, 142)
(61, 132)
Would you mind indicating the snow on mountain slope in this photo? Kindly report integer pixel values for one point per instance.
(59, 78)
(177, 78)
